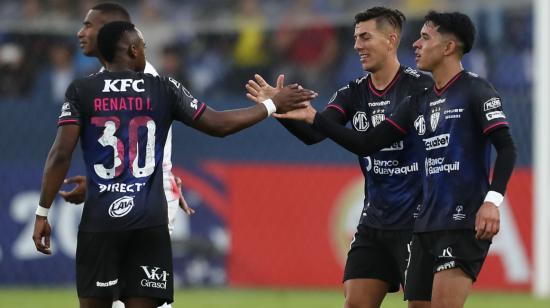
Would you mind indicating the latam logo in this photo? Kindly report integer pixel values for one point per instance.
(155, 279)
(121, 206)
(121, 85)
(492, 103)
(436, 142)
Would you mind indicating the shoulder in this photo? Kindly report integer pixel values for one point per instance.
(477, 84)
(150, 69)
(415, 75)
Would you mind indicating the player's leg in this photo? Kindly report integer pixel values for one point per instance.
(419, 274)
(364, 293)
(94, 303)
(370, 272)
(140, 302)
(460, 257)
(147, 268)
(97, 267)
(450, 288)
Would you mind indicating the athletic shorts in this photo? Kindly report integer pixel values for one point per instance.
(378, 254)
(124, 264)
(433, 252)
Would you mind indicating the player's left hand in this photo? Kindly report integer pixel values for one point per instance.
(183, 204)
(259, 90)
(42, 230)
(78, 194)
(487, 221)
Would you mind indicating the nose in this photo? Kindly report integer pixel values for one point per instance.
(356, 45)
(80, 33)
(416, 44)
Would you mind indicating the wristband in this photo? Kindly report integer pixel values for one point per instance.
(42, 211)
(270, 106)
(494, 197)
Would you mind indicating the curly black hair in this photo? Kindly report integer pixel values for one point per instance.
(108, 37)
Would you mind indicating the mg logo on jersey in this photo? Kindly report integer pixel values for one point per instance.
(360, 121)
(436, 142)
(155, 278)
(420, 125)
(121, 206)
(434, 118)
(378, 118)
(121, 85)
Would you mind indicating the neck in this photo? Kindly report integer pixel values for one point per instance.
(382, 77)
(117, 67)
(444, 72)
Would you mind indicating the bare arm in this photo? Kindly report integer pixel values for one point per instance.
(223, 123)
(55, 170)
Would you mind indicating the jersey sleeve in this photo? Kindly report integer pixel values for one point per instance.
(70, 110)
(403, 117)
(186, 108)
(487, 107)
(341, 101)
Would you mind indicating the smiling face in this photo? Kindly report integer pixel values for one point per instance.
(431, 48)
(374, 44)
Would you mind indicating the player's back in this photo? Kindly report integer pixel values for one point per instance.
(124, 119)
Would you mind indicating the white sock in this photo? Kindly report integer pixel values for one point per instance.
(118, 304)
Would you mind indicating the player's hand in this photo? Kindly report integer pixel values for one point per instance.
(183, 204)
(306, 114)
(292, 97)
(260, 90)
(78, 194)
(487, 221)
(41, 235)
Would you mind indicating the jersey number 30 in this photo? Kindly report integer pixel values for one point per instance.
(108, 139)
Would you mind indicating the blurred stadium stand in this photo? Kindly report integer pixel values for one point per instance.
(214, 47)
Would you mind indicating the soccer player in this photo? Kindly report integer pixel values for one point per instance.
(96, 17)
(122, 117)
(377, 259)
(456, 121)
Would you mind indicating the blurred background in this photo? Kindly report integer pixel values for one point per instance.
(271, 211)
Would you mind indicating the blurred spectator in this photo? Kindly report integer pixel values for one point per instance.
(250, 54)
(172, 64)
(54, 79)
(15, 76)
(307, 44)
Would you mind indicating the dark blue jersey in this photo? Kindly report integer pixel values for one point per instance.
(393, 186)
(124, 119)
(452, 124)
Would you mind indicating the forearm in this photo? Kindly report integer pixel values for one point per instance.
(306, 133)
(505, 159)
(223, 123)
(55, 170)
(360, 143)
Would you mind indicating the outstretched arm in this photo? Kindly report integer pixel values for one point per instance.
(55, 170)
(259, 90)
(223, 123)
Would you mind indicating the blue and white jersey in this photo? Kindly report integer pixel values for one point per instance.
(451, 125)
(125, 118)
(393, 186)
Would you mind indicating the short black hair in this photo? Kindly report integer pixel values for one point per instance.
(392, 16)
(113, 8)
(456, 23)
(109, 35)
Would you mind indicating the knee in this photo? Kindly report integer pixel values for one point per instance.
(419, 304)
(357, 302)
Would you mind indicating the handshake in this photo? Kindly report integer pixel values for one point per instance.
(283, 102)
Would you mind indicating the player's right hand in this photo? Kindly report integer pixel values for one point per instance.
(292, 97)
(260, 90)
(306, 114)
(42, 230)
(78, 194)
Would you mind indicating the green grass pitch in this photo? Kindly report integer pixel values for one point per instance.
(253, 298)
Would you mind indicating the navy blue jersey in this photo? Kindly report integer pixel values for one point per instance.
(452, 124)
(393, 186)
(124, 119)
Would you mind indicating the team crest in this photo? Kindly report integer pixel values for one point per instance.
(420, 125)
(360, 121)
(434, 118)
(378, 118)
